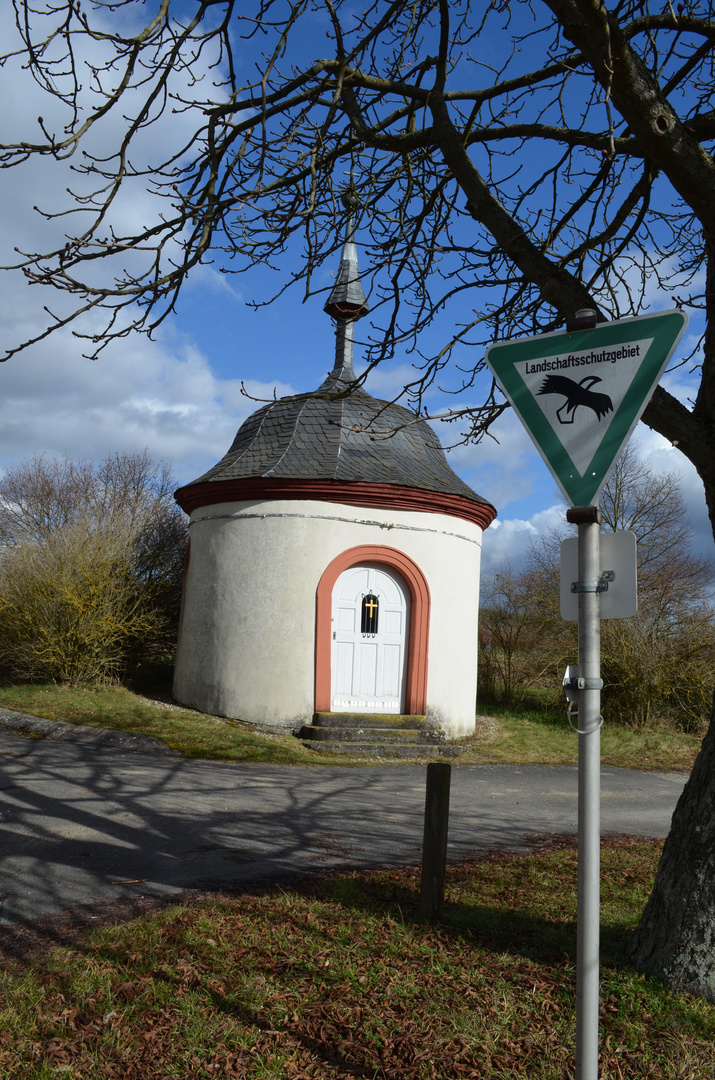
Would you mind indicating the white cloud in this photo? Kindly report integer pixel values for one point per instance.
(386, 381)
(504, 469)
(166, 396)
(509, 540)
(662, 456)
(160, 395)
(163, 394)
(44, 182)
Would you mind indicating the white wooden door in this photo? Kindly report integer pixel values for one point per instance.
(368, 669)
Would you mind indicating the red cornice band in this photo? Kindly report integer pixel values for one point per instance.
(380, 496)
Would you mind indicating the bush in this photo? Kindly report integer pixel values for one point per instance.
(90, 568)
(654, 672)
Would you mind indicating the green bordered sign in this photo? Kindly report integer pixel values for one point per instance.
(579, 395)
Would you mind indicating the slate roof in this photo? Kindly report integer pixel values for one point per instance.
(326, 436)
(334, 435)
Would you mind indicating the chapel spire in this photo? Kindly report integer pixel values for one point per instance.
(346, 302)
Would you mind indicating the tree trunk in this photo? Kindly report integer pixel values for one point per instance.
(675, 939)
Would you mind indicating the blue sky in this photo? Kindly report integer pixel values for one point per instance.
(292, 341)
(181, 396)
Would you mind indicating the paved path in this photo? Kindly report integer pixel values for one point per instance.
(80, 822)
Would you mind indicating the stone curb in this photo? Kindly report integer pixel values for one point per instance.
(80, 733)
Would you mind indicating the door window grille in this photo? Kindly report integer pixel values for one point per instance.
(369, 615)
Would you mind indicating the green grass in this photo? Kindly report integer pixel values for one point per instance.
(532, 737)
(340, 980)
(193, 734)
(525, 737)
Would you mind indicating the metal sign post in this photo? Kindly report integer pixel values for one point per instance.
(580, 432)
(588, 519)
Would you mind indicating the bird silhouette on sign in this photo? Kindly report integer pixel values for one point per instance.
(576, 393)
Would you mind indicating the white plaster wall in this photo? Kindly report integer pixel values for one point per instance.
(247, 641)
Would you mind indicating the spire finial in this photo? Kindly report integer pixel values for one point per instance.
(346, 302)
(347, 297)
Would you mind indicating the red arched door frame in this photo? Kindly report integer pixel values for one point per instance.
(418, 638)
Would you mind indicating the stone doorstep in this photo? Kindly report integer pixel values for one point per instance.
(385, 750)
(374, 734)
(404, 722)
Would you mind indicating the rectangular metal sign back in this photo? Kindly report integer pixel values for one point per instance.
(619, 600)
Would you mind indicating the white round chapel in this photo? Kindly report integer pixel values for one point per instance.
(333, 561)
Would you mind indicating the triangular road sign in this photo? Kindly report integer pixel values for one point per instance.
(579, 395)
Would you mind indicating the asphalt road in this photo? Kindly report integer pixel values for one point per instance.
(83, 822)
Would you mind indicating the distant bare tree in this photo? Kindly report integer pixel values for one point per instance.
(660, 662)
(521, 637)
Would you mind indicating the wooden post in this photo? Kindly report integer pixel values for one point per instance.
(434, 843)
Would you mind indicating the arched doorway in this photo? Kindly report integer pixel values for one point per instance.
(370, 624)
(418, 617)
